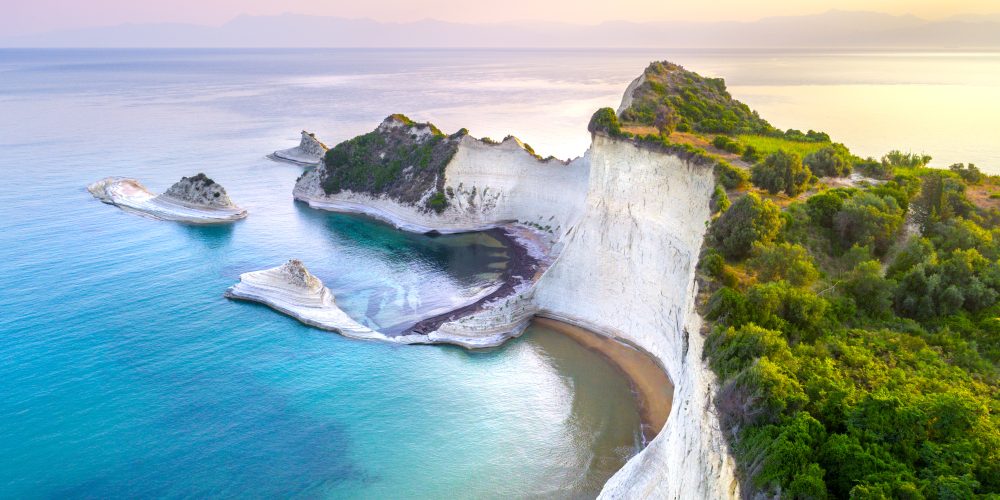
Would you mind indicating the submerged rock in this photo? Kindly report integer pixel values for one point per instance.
(309, 151)
(293, 290)
(196, 200)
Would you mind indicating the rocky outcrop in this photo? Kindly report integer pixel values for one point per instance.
(627, 96)
(293, 290)
(199, 191)
(486, 185)
(622, 227)
(308, 153)
(195, 200)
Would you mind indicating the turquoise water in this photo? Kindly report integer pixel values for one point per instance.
(124, 371)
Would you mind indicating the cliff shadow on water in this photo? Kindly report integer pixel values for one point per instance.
(464, 256)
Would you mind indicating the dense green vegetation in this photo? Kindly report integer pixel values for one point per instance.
(403, 162)
(781, 171)
(673, 98)
(856, 330)
(858, 359)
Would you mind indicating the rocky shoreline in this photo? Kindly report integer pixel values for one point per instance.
(522, 270)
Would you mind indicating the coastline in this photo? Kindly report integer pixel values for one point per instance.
(651, 386)
(522, 269)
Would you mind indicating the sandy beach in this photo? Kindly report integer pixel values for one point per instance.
(652, 387)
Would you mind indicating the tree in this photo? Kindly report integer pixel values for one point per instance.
(970, 174)
(831, 161)
(824, 206)
(729, 176)
(871, 292)
(750, 219)
(781, 171)
(783, 261)
(868, 219)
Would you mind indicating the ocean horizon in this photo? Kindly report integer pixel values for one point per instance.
(125, 372)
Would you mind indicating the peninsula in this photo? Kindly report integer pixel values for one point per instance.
(194, 200)
(617, 234)
(829, 322)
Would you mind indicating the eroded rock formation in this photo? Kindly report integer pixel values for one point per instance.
(293, 290)
(308, 153)
(195, 200)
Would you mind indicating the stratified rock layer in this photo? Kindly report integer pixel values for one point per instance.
(308, 153)
(293, 290)
(194, 200)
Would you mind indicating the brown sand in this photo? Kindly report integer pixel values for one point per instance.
(652, 387)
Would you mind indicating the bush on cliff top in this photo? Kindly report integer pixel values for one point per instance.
(749, 220)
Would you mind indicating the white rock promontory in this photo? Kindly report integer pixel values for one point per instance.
(293, 290)
(194, 200)
(624, 225)
(308, 153)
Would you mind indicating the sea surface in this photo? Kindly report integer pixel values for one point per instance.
(124, 372)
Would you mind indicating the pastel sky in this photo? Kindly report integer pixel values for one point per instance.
(34, 16)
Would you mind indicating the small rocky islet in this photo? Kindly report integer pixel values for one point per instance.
(193, 200)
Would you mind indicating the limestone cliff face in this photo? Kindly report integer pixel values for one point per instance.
(199, 190)
(626, 224)
(627, 271)
(486, 185)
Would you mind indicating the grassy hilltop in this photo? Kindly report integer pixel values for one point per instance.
(854, 324)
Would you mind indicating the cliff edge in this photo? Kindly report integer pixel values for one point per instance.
(620, 228)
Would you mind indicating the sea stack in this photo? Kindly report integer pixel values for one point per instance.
(308, 153)
(195, 200)
(293, 290)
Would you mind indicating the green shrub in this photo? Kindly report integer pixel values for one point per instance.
(720, 200)
(970, 173)
(783, 261)
(781, 171)
(874, 168)
(437, 202)
(831, 161)
(823, 207)
(750, 154)
(750, 219)
(897, 158)
(727, 144)
(605, 120)
(729, 176)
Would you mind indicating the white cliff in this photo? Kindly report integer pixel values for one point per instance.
(193, 200)
(627, 271)
(308, 153)
(627, 97)
(625, 224)
(489, 185)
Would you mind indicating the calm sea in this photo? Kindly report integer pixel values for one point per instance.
(124, 372)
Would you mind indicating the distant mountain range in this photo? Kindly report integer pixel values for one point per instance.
(834, 29)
